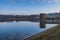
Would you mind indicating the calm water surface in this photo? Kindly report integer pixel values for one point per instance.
(20, 30)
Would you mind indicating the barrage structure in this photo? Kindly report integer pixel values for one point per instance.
(51, 18)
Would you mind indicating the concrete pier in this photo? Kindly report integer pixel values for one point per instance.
(42, 20)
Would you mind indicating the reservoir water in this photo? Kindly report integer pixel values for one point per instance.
(20, 30)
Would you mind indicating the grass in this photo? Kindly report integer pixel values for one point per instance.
(49, 34)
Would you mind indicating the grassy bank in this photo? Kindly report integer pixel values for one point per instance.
(49, 34)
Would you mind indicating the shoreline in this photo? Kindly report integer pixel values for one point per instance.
(45, 34)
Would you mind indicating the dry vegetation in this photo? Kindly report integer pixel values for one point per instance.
(49, 34)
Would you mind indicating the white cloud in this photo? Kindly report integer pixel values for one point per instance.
(49, 1)
(56, 1)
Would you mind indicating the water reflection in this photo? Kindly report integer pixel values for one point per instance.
(19, 30)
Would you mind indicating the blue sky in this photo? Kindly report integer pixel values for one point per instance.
(24, 7)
